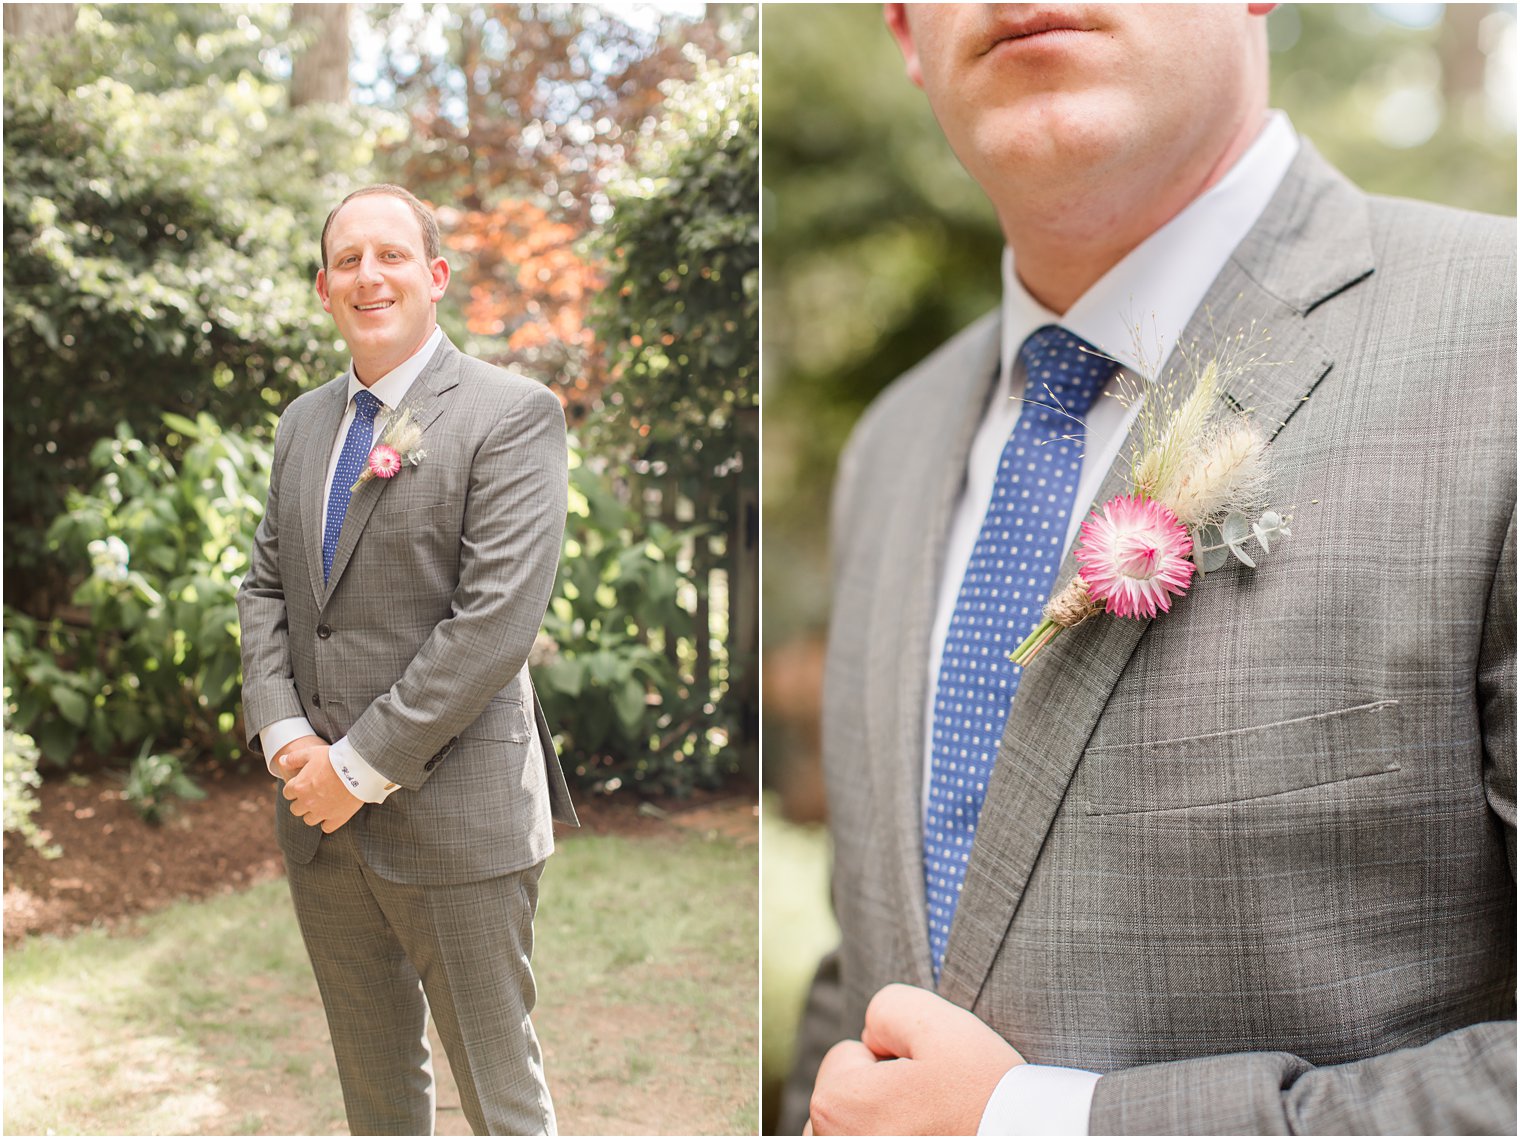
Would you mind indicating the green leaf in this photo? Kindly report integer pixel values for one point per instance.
(71, 705)
(628, 699)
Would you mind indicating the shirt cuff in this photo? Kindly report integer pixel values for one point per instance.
(1037, 1099)
(280, 733)
(359, 777)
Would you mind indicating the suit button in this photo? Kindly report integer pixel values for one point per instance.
(316, 699)
(430, 764)
(324, 631)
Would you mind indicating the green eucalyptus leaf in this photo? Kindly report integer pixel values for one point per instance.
(1242, 556)
(1209, 553)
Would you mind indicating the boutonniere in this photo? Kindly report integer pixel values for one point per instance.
(1196, 496)
(397, 448)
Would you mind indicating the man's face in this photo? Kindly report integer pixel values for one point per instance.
(1081, 88)
(378, 284)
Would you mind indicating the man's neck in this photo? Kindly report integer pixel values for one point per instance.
(372, 369)
(1064, 242)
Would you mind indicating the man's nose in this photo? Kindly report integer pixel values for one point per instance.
(369, 269)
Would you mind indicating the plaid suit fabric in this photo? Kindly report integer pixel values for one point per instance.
(1253, 860)
(478, 988)
(415, 647)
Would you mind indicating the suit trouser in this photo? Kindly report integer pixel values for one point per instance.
(385, 953)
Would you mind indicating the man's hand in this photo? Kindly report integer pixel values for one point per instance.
(287, 763)
(317, 796)
(923, 1066)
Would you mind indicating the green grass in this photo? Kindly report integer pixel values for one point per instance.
(204, 1018)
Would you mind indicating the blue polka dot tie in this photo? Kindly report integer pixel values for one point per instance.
(1011, 572)
(356, 448)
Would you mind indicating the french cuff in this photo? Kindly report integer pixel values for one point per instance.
(359, 777)
(280, 733)
(1037, 1099)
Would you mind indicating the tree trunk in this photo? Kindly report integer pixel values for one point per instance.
(319, 73)
(38, 21)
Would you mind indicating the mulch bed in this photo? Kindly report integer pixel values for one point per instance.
(114, 866)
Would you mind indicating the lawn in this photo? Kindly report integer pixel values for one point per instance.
(204, 1019)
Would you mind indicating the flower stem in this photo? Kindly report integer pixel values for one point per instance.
(1044, 632)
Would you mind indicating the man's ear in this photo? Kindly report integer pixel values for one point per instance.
(897, 24)
(322, 289)
(440, 272)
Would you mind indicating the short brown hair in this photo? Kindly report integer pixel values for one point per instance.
(432, 245)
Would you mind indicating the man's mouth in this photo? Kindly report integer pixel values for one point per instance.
(374, 306)
(1036, 25)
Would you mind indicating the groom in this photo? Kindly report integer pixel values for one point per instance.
(1247, 867)
(386, 625)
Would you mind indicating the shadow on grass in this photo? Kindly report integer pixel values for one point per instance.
(204, 1018)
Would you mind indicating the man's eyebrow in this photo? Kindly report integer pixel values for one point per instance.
(383, 244)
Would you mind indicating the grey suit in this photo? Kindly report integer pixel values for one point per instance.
(1252, 860)
(416, 648)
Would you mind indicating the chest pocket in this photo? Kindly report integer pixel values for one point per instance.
(1244, 764)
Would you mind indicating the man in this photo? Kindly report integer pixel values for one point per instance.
(386, 627)
(1246, 867)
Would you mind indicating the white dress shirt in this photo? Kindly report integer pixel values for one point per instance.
(1149, 296)
(390, 389)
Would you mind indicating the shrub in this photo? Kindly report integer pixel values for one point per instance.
(160, 247)
(615, 669)
(153, 784)
(21, 783)
(155, 658)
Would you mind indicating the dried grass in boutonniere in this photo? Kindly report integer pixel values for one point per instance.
(397, 448)
(1197, 489)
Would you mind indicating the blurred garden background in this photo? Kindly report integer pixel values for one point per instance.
(878, 247)
(167, 169)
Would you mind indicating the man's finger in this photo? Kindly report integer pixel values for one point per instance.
(832, 1090)
(291, 765)
(843, 1057)
(901, 1018)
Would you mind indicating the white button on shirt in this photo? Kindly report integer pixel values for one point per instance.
(357, 775)
(1152, 292)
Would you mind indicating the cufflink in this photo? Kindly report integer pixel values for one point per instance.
(391, 786)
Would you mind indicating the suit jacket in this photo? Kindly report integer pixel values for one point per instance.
(1253, 860)
(416, 646)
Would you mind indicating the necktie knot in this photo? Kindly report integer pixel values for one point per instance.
(366, 405)
(1063, 370)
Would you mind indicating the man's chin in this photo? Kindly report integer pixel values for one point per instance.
(1057, 133)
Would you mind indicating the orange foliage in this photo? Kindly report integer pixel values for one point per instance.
(529, 283)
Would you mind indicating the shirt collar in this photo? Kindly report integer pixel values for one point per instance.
(391, 388)
(1154, 290)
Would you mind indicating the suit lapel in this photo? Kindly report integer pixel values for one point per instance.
(903, 619)
(1310, 243)
(331, 402)
(423, 402)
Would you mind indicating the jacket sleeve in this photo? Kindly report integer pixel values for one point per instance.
(819, 1031)
(514, 523)
(269, 686)
(1462, 1083)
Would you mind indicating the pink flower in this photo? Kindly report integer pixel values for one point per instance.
(1134, 556)
(384, 461)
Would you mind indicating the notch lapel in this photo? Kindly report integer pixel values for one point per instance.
(331, 402)
(423, 402)
(903, 619)
(1310, 243)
